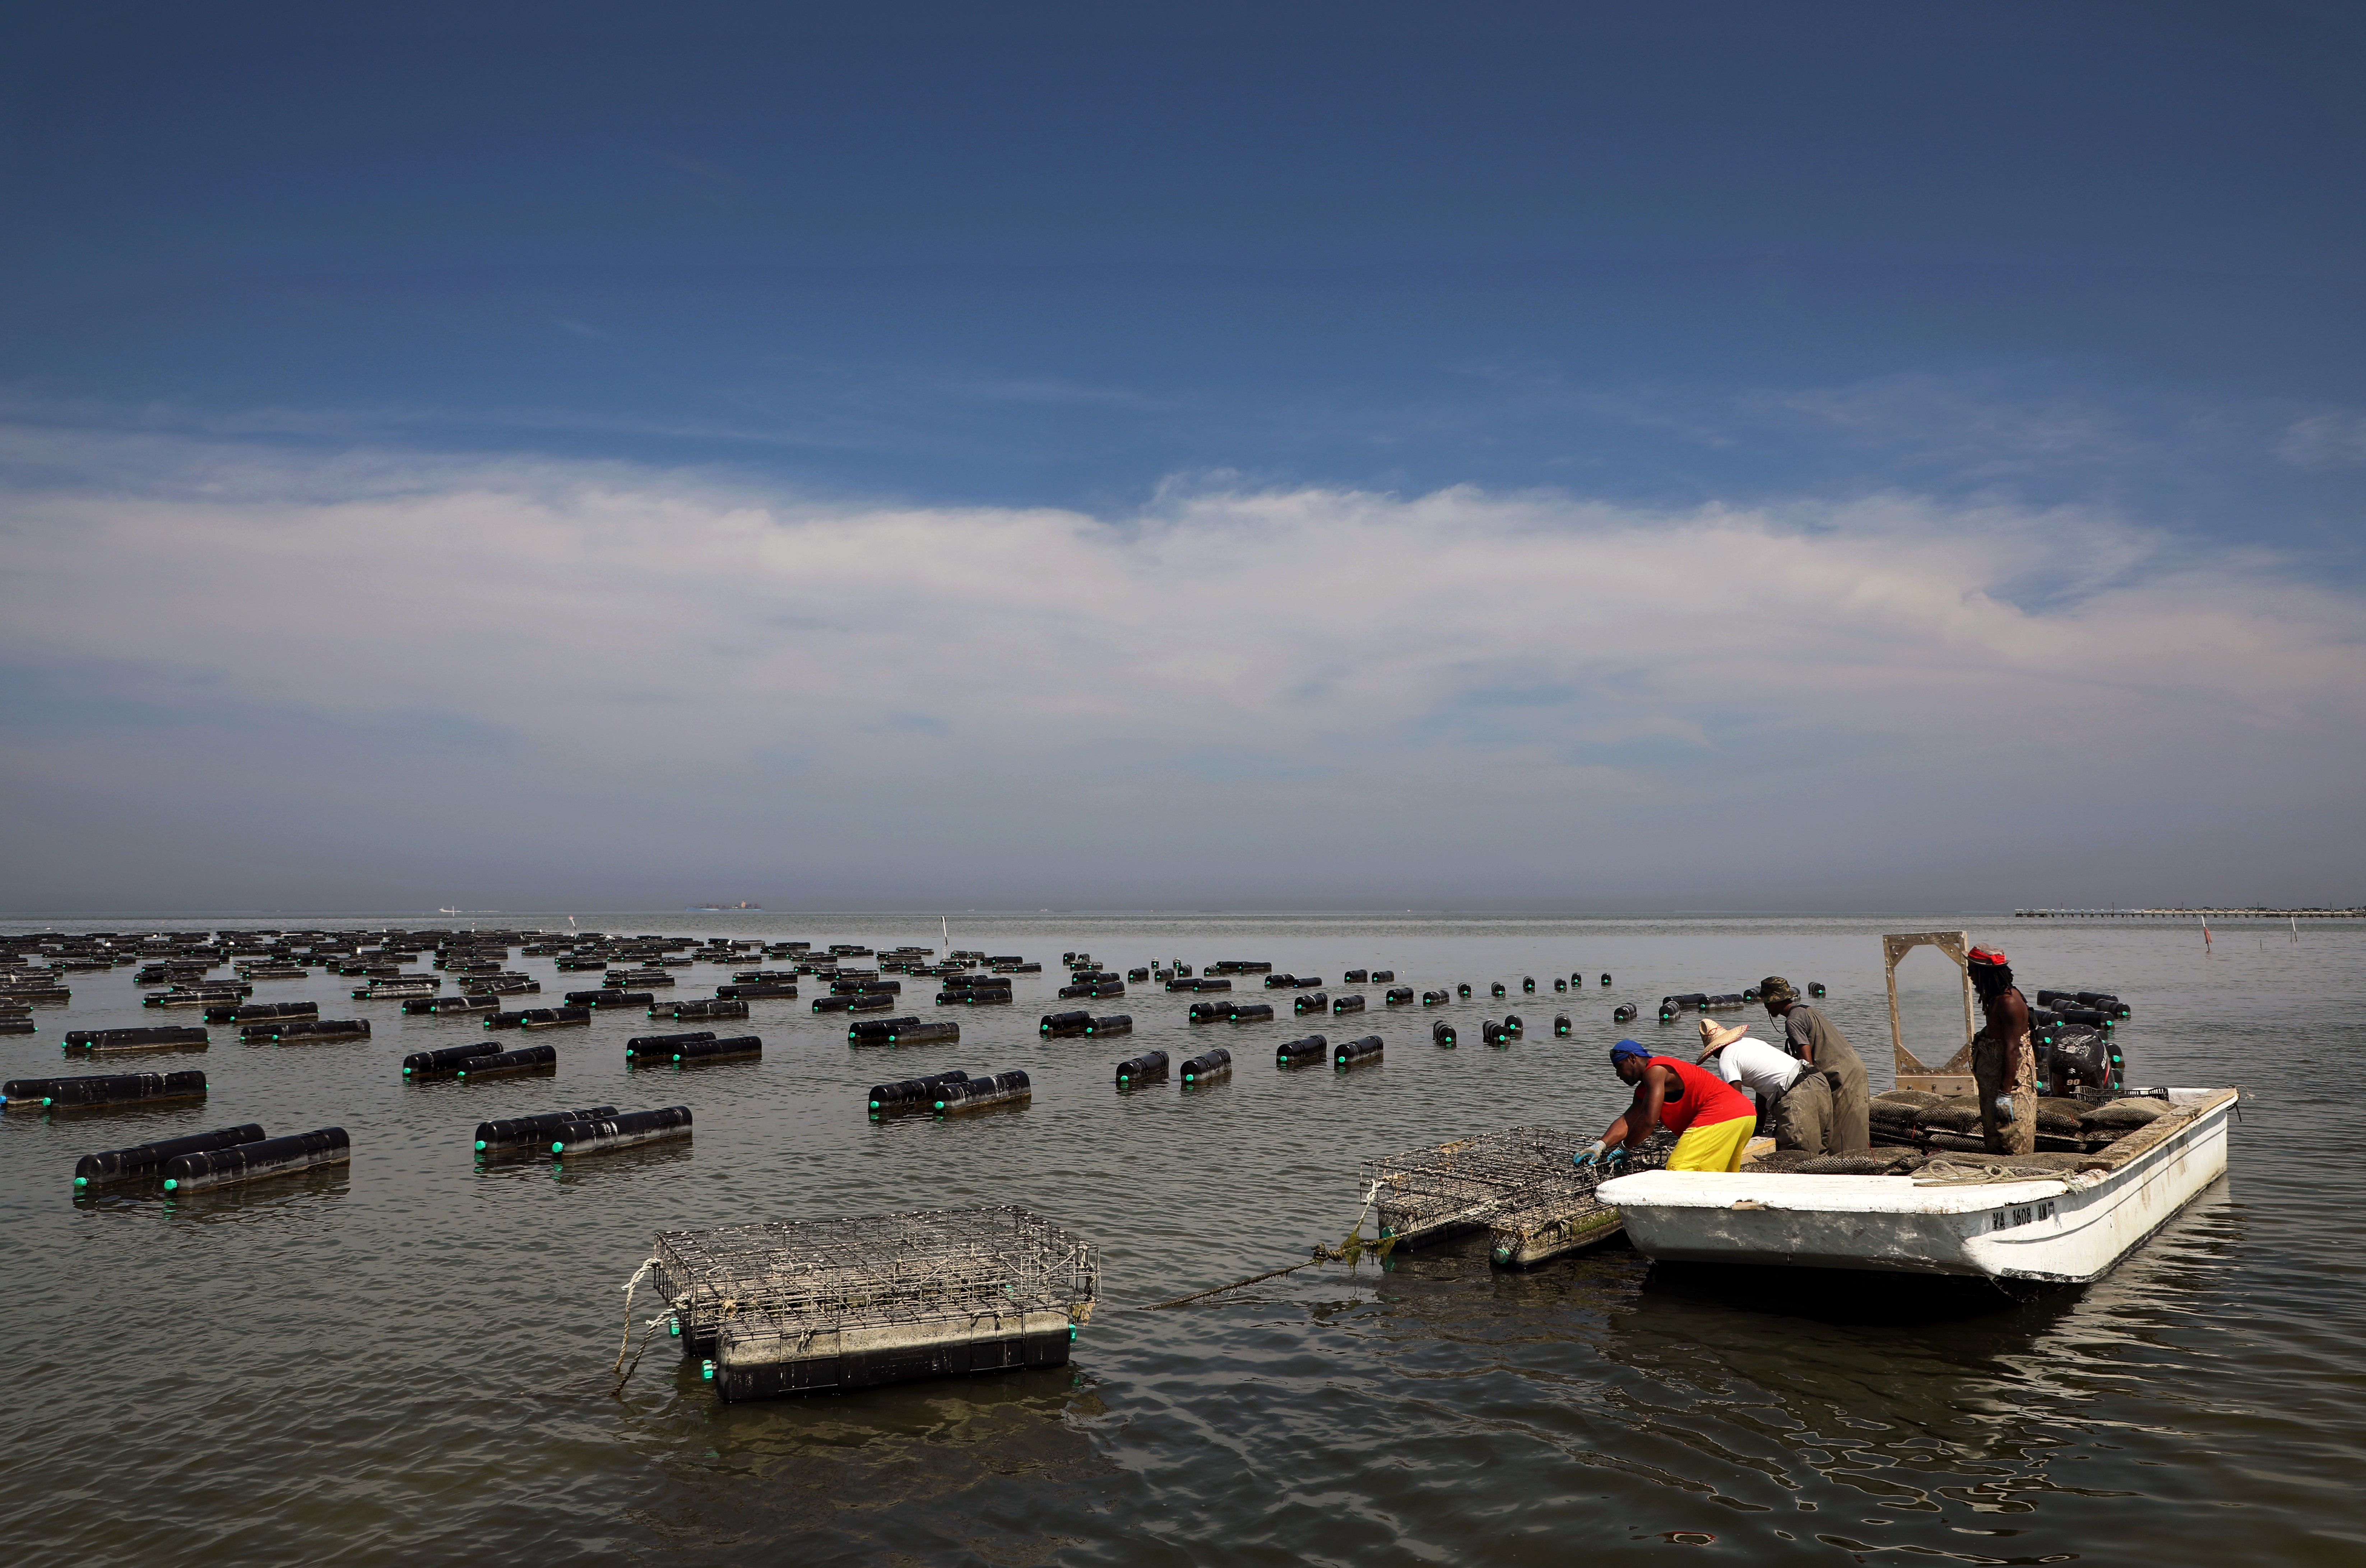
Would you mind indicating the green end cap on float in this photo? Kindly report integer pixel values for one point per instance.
(171, 1182)
(82, 1181)
(480, 1142)
(559, 1147)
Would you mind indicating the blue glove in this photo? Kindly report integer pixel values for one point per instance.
(1592, 1153)
(1616, 1157)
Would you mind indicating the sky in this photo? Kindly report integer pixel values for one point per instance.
(1727, 456)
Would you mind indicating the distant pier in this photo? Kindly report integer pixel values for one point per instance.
(2194, 914)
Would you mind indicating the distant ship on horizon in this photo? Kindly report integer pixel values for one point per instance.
(696, 908)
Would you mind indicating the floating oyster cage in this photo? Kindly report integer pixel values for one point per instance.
(1527, 1174)
(793, 1307)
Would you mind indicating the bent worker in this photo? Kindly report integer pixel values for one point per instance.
(1847, 1126)
(2003, 1065)
(1710, 1119)
(1794, 1103)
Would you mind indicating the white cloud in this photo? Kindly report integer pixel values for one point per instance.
(2326, 441)
(1459, 670)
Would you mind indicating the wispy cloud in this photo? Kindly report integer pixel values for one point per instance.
(1512, 691)
(1970, 431)
(2326, 441)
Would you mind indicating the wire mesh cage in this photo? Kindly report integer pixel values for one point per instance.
(1541, 1228)
(798, 1304)
(1431, 1192)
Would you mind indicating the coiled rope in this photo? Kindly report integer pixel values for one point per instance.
(1947, 1173)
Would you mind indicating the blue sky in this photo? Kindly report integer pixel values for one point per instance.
(2080, 282)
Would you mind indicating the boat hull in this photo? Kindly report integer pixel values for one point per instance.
(2064, 1230)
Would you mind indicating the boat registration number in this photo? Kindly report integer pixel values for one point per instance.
(2005, 1219)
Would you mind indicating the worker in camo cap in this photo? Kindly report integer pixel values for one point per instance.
(2004, 1064)
(1839, 1119)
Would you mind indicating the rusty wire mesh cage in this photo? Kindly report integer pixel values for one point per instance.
(1469, 1182)
(800, 1277)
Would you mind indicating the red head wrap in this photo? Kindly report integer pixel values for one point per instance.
(1986, 956)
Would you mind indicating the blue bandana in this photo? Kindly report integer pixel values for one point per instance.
(1629, 1048)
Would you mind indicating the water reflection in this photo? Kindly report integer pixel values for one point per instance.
(1838, 1296)
(979, 1468)
(620, 1164)
(296, 1193)
(1942, 1406)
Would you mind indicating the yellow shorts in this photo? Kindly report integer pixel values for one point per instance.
(1716, 1147)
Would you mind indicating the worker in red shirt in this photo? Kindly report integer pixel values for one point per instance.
(1710, 1118)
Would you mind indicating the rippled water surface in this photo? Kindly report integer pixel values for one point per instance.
(409, 1360)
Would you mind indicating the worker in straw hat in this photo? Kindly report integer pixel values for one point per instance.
(1711, 1119)
(1846, 1127)
(1794, 1103)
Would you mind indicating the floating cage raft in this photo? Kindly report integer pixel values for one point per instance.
(803, 1305)
(1521, 1183)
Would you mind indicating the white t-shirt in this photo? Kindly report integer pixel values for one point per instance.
(1757, 1066)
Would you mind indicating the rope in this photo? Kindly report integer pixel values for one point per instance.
(1950, 1174)
(1346, 1251)
(647, 1333)
(646, 1264)
(1356, 1232)
(624, 1373)
(1254, 1278)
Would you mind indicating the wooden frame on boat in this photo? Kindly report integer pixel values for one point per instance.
(1954, 1075)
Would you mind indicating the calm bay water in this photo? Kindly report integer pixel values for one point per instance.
(410, 1361)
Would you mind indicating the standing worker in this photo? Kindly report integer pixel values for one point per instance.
(1794, 1103)
(1710, 1119)
(2003, 1064)
(1847, 1126)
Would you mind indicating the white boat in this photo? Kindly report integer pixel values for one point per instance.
(2043, 1229)
(2052, 1230)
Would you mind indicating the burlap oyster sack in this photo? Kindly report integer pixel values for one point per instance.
(1956, 1115)
(2062, 1118)
(2125, 1115)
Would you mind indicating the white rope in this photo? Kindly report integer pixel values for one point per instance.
(1370, 1193)
(626, 1343)
(647, 1333)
